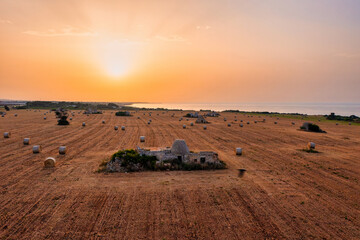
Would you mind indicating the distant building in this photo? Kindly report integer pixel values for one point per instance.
(213, 114)
(201, 119)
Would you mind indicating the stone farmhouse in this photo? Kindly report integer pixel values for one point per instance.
(180, 151)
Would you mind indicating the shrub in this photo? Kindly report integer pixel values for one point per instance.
(130, 157)
(122, 113)
(63, 121)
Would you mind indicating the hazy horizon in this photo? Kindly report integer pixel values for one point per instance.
(180, 51)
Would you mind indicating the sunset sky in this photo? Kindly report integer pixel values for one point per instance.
(180, 51)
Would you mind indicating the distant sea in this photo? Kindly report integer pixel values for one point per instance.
(345, 109)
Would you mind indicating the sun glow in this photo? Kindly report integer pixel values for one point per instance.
(115, 58)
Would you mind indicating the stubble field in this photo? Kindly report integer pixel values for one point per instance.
(285, 193)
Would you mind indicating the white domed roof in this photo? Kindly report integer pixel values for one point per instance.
(179, 147)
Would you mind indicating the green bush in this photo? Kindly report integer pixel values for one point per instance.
(122, 113)
(314, 128)
(130, 157)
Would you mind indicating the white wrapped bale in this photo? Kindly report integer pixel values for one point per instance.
(26, 141)
(83, 124)
(62, 150)
(238, 151)
(49, 162)
(311, 145)
(44, 118)
(37, 149)
(184, 126)
(123, 128)
(142, 138)
(116, 128)
(241, 125)
(7, 134)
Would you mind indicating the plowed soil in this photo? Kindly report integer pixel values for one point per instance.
(284, 194)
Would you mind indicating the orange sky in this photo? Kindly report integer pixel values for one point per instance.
(180, 51)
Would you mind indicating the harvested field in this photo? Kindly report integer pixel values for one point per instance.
(284, 194)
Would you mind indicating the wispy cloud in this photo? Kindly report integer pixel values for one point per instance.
(173, 38)
(5, 21)
(206, 27)
(67, 31)
(126, 41)
(348, 55)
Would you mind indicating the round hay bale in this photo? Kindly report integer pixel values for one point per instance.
(235, 120)
(103, 121)
(15, 115)
(247, 122)
(62, 150)
(184, 126)
(138, 117)
(70, 118)
(191, 124)
(83, 124)
(349, 123)
(205, 127)
(26, 141)
(293, 123)
(225, 120)
(123, 128)
(275, 122)
(149, 122)
(44, 118)
(241, 120)
(311, 145)
(337, 124)
(229, 125)
(7, 134)
(116, 128)
(37, 149)
(241, 125)
(255, 121)
(238, 151)
(142, 138)
(49, 162)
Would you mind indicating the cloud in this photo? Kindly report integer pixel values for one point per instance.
(347, 55)
(126, 41)
(173, 38)
(67, 31)
(206, 27)
(5, 21)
